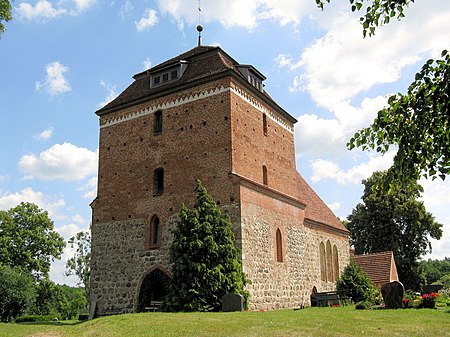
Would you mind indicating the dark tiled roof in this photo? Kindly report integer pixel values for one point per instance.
(203, 62)
(380, 267)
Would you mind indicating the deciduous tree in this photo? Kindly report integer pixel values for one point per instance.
(17, 292)
(5, 14)
(418, 124)
(27, 239)
(378, 12)
(394, 221)
(205, 260)
(80, 264)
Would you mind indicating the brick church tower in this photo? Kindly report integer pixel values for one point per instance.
(202, 115)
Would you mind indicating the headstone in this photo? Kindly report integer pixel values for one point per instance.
(232, 302)
(92, 310)
(393, 295)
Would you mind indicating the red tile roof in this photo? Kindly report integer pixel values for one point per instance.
(380, 267)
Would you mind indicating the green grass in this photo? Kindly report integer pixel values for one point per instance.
(321, 322)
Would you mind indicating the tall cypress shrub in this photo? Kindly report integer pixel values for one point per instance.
(205, 261)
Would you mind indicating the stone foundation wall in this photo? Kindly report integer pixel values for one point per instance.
(286, 284)
(120, 263)
(120, 260)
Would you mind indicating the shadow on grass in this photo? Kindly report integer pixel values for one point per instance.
(58, 323)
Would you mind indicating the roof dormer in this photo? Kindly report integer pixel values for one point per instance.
(253, 76)
(167, 74)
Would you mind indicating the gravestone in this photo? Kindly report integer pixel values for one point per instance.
(232, 302)
(393, 295)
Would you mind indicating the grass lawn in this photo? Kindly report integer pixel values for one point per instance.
(320, 322)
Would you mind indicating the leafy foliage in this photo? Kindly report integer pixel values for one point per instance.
(205, 261)
(27, 239)
(435, 269)
(71, 302)
(5, 13)
(418, 123)
(378, 12)
(16, 292)
(80, 263)
(397, 222)
(47, 295)
(355, 283)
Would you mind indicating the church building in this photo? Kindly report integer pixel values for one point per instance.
(202, 115)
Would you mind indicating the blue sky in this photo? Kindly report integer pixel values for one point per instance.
(62, 60)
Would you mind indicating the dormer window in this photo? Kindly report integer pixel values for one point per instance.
(167, 74)
(253, 76)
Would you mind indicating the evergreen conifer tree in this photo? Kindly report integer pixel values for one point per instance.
(205, 261)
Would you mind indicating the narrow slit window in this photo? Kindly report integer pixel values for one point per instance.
(158, 181)
(265, 124)
(155, 229)
(158, 122)
(279, 243)
(264, 171)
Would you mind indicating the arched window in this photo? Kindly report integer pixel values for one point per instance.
(323, 267)
(155, 232)
(264, 171)
(329, 264)
(279, 246)
(335, 263)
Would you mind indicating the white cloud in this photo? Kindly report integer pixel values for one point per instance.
(247, 14)
(149, 19)
(45, 135)
(317, 136)
(112, 94)
(125, 10)
(334, 206)
(58, 267)
(283, 60)
(45, 10)
(50, 204)
(78, 219)
(436, 197)
(147, 64)
(83, 5)
(42, 11)
(342, 64)
(55, 83)
(62, 161)
(326, 169)
(91, 188)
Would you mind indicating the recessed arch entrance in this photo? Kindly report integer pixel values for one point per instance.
(153, 288)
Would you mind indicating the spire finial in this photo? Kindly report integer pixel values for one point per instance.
(199, 26)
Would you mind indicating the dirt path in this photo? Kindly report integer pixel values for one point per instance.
(46, 334)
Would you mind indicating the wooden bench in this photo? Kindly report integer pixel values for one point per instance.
(154, 306)
(328, 299)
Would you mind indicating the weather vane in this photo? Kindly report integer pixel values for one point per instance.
(199, 26)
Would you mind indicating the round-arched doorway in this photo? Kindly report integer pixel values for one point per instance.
(153, 289)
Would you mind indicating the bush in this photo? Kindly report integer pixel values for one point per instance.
(355, 283)
(83, 317)
(35, 318)
(16, 292)
(206, 263)
(363, 305)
